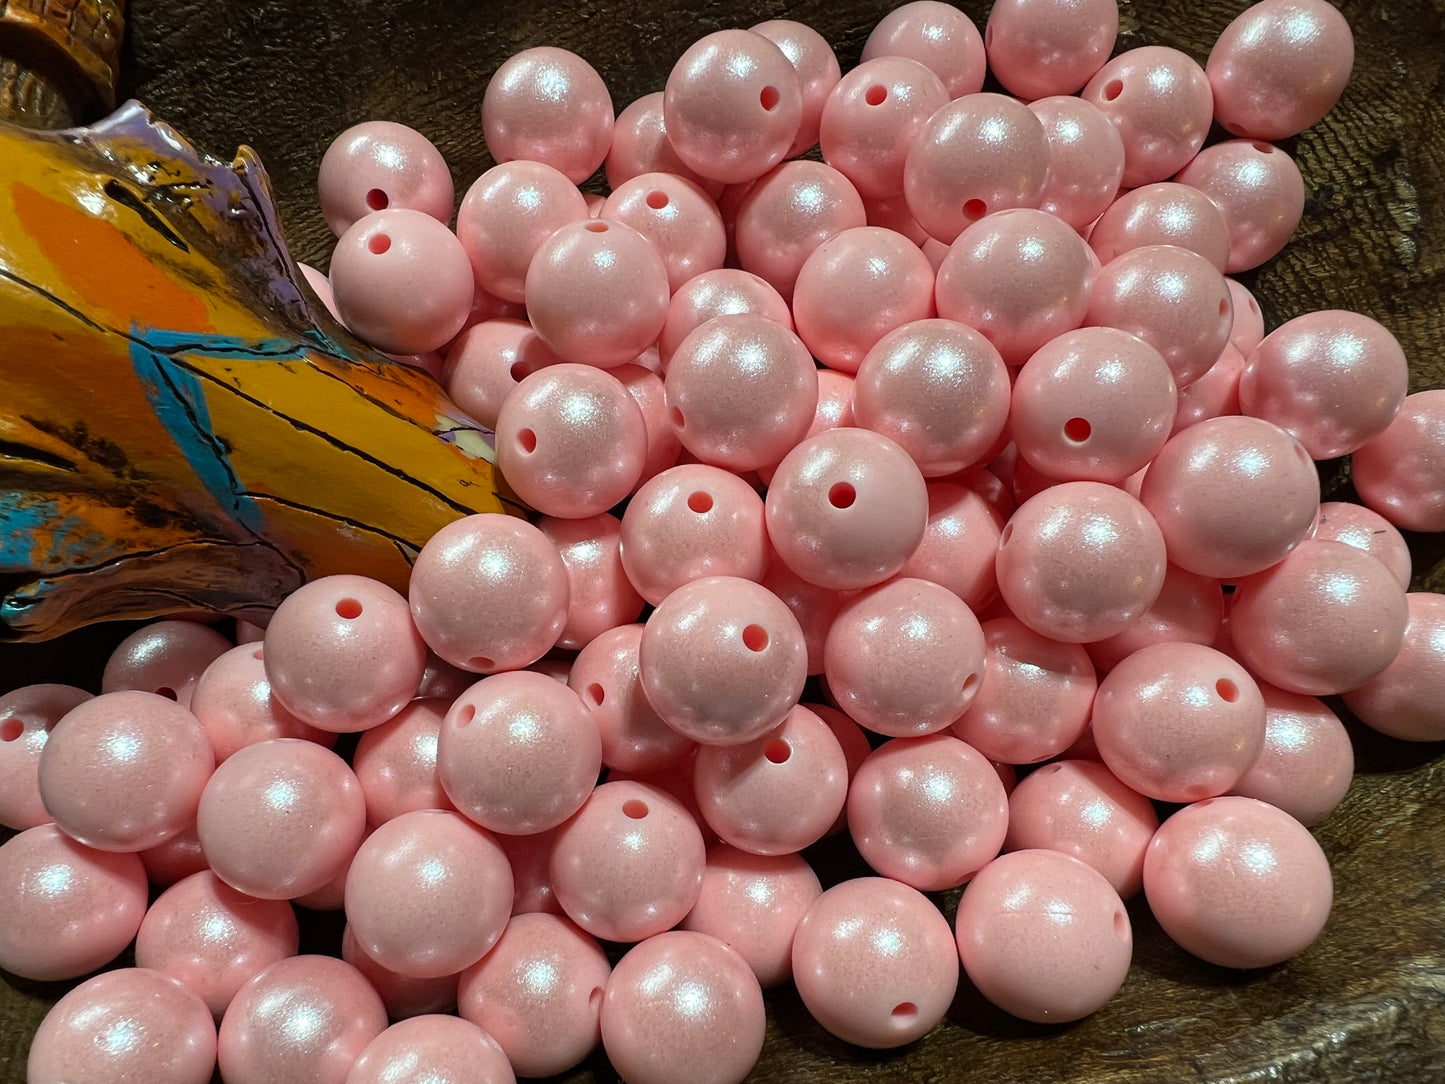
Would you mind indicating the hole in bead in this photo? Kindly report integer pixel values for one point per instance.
(481, 662)
(595, 227)
(1254, 308)
(348, 609)
(1112, 89)
(755, 638)
(1008, 533)
(378, 243)
(1228, 691)
(657, 200)
(1224, 309)
(596, 694)
(769, 98)
(1304, 456)
(594, 1000)
(904, 1011)
(677, 420)
(527, 441)
(974, 209)
(988, 37)
(1262, 147)
(11, 729)
(876, 95)
(634, 809)
(1078, 430)
(467, 713)
(377, 200)
(969, 683)
(842, 495)
(167, 692)
(258, 654)
(777, 751)
(518, 371)
(1121, 925)
(700, 502)
(1051, 769)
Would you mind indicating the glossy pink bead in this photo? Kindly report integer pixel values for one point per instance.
(69, 909)
(124, 771)
(1189, 609)
(1044, 936)
(1355, 525)
(233, 702)
(531, 861)
(814, 607)
(629, 864)
(403, 996)
(647, 391)
(1405, 699)
(1160, 101)
(1213, 395)
(432, 1049)
(606, 676)
(1401, 473)
(677, 217)
(175, 859)
(1279, 67)
(725, 292)
(1232, 496)
(682, 1006)
(874, 962)
(281, 818)
(1034, 699)
(396, 763)
(892, 213)
(640, 145)
(1258, 189)
(1307, 762)
(165, 658)
(548, 105)
(1238, 882)
(377, 165)
(600, 596)
(872, 118)
(1164, 213)
(539, 993)
(1086, 159)
(936, 35)
(507, 214)
(306, 1018)
(486, 361)
(959, 544)
(1041, 47)
(978, 154)
(1079, 561)
(818, 72)
(732, 106)
(132, 1024)
(788, 214)
(27, 715)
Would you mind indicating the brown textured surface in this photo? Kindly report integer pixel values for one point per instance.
(1366, 1002)
(59, 59)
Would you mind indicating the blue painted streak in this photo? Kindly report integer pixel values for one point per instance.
(36, 537)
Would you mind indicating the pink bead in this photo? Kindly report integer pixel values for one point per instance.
(506, 215)
(1307, 762)
(677, 217)
(600, 597)
(855, 745)
(539, 993)
(606, 676)
(518, 753)
(487, 360)
(233, 703)
(872, 118)
(1355, 525)
(753, 904)
(548, 105)
(165, 658)
(342, 653)
(306, 1018)
(1079, 561)
(321, 286)
(959, 544)
(281, 818)
(629, 864)
(1086, 159)
(978, 154)
(1279, 67)
(1021, 277)
(742, 391)
(1164, 213)
(432, 1050)
(110, 749)
(1248, 327)
(647, 391)
(1189, 609)
(531, 861)
(1258, 189)
(1043, 936)
(68, 909)
(1034, 700)
(1232, 496)
(1406, 700)
(788, 214)
(904, 659)
(1237, 882)
(722, 660)
(403, 996)
(402, 281)
(130, 1024)
(597, 292)
(929, 812)
(27, 715)
(496, 565)
(379, 165)
(175, 859)
(1159, 99)
(814, 607)
(818, 73)
(834, 410)
(1041, 47)
(938, 36)
(893, 214)
(396, 763)
(1401, 473)
(1333, 380)
(674, 780)
(682, 1006)
(213, 938)
(640, 145)
(846, 509)
(1213, 395)
(874, 962)
(725, 292)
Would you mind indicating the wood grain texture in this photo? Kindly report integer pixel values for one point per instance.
(1367, 1001)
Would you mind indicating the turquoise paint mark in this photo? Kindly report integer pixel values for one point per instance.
(36, 537)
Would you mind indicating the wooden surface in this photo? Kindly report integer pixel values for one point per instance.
(1367, 1001)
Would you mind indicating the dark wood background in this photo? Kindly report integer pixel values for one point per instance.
(1367, 1001)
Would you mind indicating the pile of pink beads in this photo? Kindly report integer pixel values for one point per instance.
(965, 421)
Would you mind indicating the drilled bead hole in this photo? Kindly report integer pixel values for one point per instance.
(480, 662)
(842, 495)
(970, 683)
(634, 809)
(466, 715)
(349, 609)
(677, 420)
(904, 1011)
(755, 638)
(596, 227)
(377, 200)
(518, 372)
(378, 243)
(11, 729)
(594, 1000)
(1121, 925)
(167, 692)
(1262, 147)
(1008, 533)
(657, 200)
(258, 654)
(1224, 308)
(596, 694)
(1112, 89)
(1052, 769)
(778, 751)
(876, 95)
(1078, 430)
(1228, 691)
(974, 209)
(527, 441)
(769, 98)
(700, 502)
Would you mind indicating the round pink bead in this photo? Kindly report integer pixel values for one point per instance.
(68, 909)
(487, 360)
(1044, 936)
(1258, 189)
(892, 213)
(1086, 159)
(1333, 380)
(1401, 473)
(732, 106)
(1189, 609)
(1079, 561)
(1041, 47)
(306, 1018)
(1279, 67)
(629, 864)
(531, 861)
(874, 962)
(432, 1049)
(27, 715)
(108, 751)
(507, 214)
(855, 745)
(539, 993)
(929, 812)
(788, 214)
(600, 596)
(725, 292)
(646, 388)
(1248, 329)
(396, 763)
(403, 997)
(402, 281)
(281, 818)
(233, 703)
(818, 73)
(132, 1024)
(1232, 496)
(677, 217)
(165, 658)
(1406, 700)
(959, 544)
(379, 165)
(1213, 395)
(1307, 762)
(1160, 101)
(872, 118)
(846, 509)
(936, 35)
(321, 286)
(175, 859)
(606, 675)
(814, 607)
(1035, 697)
(548, 105)
(640, 145)
(1164, 213)
(1237, 882)
(978, 154)
(1355, 525)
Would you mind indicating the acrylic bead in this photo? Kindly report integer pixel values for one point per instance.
(936, 35)
(600, 596)
(1044, 936)
(396, 763)
(818, 73)
(1406, 700)
(1160, 101)
(1213, 395)
(165, 658)
(959, 545)
(677, 217)
(646, 388)
(788, 214)
(815, 608)
(1307, 762)
(606, 676)
(1086, 159)
(507, 214)
(432, 1049)
(725, 292)
(548, 105)
(871, 119)
(640, 145)
(874, 963)
(531, 860)
(1189, 609)
(27, 715)
(1238, 882)
(175, 859)
(1164, 213)
(538, 993)
(1258, 189)
(403, 996)
(378, 165)
(1041, 47)
(1401, 473)
(1355, 525)
(233, 703)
